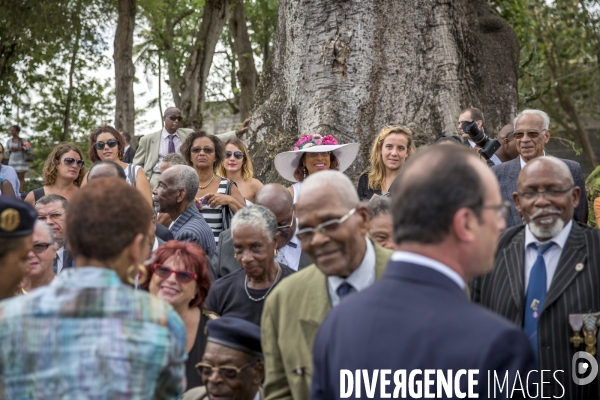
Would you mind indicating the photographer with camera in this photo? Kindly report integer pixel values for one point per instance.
(470, 126)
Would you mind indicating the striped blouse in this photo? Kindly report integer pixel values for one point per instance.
(214, 216)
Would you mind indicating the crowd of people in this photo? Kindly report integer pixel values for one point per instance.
(169, 271)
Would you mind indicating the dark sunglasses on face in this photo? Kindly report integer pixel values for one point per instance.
(322, 154)
(174, 118)
(207, 150)
(226, 371)
(237, 154)
(111, 143)
(39, 248)
(181, 276)
(70, 160)
(532, 134)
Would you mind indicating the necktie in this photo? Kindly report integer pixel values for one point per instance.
(171, 144)
(55, 265)
(344, 289)
(535, 296)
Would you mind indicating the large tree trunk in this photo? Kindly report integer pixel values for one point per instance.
(246, 74)
(350, 67)
(124, 69)
(72, 67)
(192, 85)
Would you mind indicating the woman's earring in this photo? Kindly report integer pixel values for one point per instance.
(275, 253)
(137, 274)
(305, 171)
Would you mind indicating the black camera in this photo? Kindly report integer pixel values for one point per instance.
(488, 146)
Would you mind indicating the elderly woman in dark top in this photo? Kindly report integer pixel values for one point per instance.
(242, 293)
(179, 276)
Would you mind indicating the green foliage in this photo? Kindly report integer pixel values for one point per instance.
(592, 186)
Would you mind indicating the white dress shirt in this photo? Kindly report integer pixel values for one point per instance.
(418, 259)
(551, 256)
(163, 148)
(60, 256)
(291, 253)
(523, 162)
(360, 279)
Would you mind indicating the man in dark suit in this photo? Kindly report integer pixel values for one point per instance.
(547, 272)
(278, 199)
(448, 215)
(532, 133)
(52, 210)
(129, 151)
(175, 195)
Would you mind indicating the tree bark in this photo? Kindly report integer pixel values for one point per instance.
(247, 75)
(124, 69)
(72, 67)
(192, 84)
(350, 67)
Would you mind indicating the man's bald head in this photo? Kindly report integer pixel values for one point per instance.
(550, 166)
(505, 131)
(106, 169)
(171, 110)
(333, 182)
(274, 196)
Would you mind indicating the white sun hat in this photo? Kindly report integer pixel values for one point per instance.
(287, 162)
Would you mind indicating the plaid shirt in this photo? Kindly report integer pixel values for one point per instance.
(89, 336)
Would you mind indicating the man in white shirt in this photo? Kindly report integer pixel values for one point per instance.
(470, 115)
(547, 275)
(153, 147)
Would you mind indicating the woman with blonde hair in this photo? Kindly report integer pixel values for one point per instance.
(237, 167)
(63, 173)
(392, 147)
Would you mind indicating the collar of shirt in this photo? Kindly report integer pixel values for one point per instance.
(524, 163)
(291, 252)
(360, 279)
(418, 259)
(83, 277)
(126, 148)
(155, 245)
(560, 239)
(165, 134)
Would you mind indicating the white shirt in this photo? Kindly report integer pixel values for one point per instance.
(126, 148)
(291, 253)
(418, 259)
(163, 147)
(360, 279)
(551, 256)
(155, 245)
(523, 162)
(494, 158)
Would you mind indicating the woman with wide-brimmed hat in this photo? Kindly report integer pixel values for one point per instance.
(313, 153)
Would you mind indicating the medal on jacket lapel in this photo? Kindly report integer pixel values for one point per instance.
(589, 329)
(576, 322)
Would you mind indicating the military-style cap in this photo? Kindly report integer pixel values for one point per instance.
(235, 333)
(17, 218)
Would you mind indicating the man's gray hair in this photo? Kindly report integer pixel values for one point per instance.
(545, 118)
(42, 225)
(174, 159)
(256, 216)
(330, 181)
(52, 198)
(187, 179)
(379, 206)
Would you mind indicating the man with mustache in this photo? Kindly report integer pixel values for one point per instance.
(547, 274)
(532, 132)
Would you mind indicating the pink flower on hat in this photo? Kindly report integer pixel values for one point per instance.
(314, 139)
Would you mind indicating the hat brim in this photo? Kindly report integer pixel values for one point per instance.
(287, 162)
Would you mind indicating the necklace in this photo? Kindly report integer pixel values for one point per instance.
(209, 182)
(268, 291)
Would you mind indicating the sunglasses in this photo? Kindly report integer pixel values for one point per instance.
(321, 153)
(39, 248)
(226, 371)
(174, 118)
(111, 143)
(70, 160)
(181, 276)
(285, 228)
(207, 150)
(237, 154)
(532, 134)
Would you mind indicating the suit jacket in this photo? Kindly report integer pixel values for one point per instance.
(395, 313)
(507, 174)
(199, 393)
(162, 232)
(571, 292)
(291, 317)
(129, 154)
(192, 227)
(146, 154)
(224, 262)
(67, 261)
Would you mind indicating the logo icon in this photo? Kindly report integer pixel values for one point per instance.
(582, 367)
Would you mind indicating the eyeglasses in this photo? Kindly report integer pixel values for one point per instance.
(286, 228)
(226, 371)
(174, 118)
(39, 248)
(326, 228)
(207, 150)
(321, 153)
(181, 276)
(69, 161)
(502, 209)
(53, 216)
(551, 194)
(531, 133)
(110, 142)
(237, 154)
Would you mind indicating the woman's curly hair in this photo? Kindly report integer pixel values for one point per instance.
(50, 172)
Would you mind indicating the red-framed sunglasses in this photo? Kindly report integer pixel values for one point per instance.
(180, 276)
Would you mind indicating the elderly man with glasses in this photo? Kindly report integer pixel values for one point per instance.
(333, 227)
(531, 134)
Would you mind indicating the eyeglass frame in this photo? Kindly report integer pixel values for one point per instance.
(46, 244)
(78, 163)
(112, 143)
(174, 118)
(551, 193)
(220, 368)
(193, 275)
(319, 228)
(502, 208)
(315, 154)
(235, 154)
(285, 228)
(537, 133)
(198, 150)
